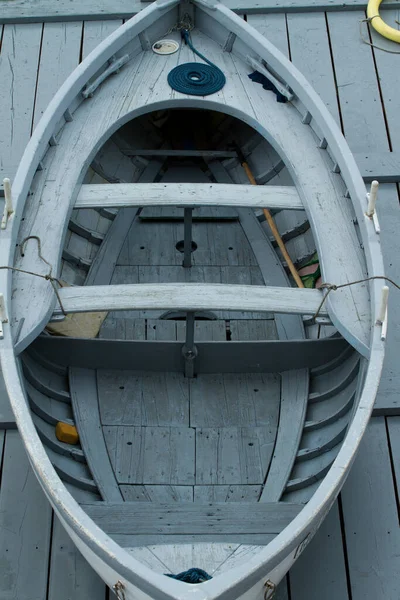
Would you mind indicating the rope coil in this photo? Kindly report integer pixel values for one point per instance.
(196, 79)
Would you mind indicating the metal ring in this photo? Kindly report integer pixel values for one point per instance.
(270, 589)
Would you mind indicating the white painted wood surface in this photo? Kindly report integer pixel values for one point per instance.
(341, 259)
(190, 297)
(118, 195)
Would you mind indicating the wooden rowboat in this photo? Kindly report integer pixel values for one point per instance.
(147, 306)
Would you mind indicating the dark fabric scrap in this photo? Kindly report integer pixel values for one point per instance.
(267, 85)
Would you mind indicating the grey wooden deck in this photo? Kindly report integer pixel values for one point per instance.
(355, 553)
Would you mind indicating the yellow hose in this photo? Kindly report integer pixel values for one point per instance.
(378, 24)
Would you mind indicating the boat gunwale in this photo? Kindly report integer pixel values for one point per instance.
(285, 544)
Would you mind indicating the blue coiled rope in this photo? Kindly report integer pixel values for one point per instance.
(196, 79)
(193, 575)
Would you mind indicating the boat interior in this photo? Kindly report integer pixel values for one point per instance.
(201, 433)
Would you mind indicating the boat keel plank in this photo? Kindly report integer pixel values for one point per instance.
(171, 519)
(119, 195)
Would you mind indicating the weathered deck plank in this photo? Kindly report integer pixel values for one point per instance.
(393, 424)
(310, 53)
(70, 576)
(20, 50)
(364, 126)
(59, 56)
(22, 12)
(372, 533)
(7, 419)
(320, 571)
(25, 527)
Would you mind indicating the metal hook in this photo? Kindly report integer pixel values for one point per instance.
(118, 589)
(270, 589)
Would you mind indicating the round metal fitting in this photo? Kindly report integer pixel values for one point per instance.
(165, 47)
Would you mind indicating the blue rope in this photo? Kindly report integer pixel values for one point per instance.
(193, 575)
(196, 79)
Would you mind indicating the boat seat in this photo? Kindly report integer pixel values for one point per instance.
(117, 195)
(147, 518)
(191, 297)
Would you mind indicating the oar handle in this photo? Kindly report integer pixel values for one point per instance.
(271, 222)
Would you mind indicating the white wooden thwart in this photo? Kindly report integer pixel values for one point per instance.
(119, 195)
(190, 297)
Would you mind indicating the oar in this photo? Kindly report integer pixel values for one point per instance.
(271, 222)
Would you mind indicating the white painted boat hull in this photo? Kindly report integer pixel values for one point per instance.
(113, 563)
